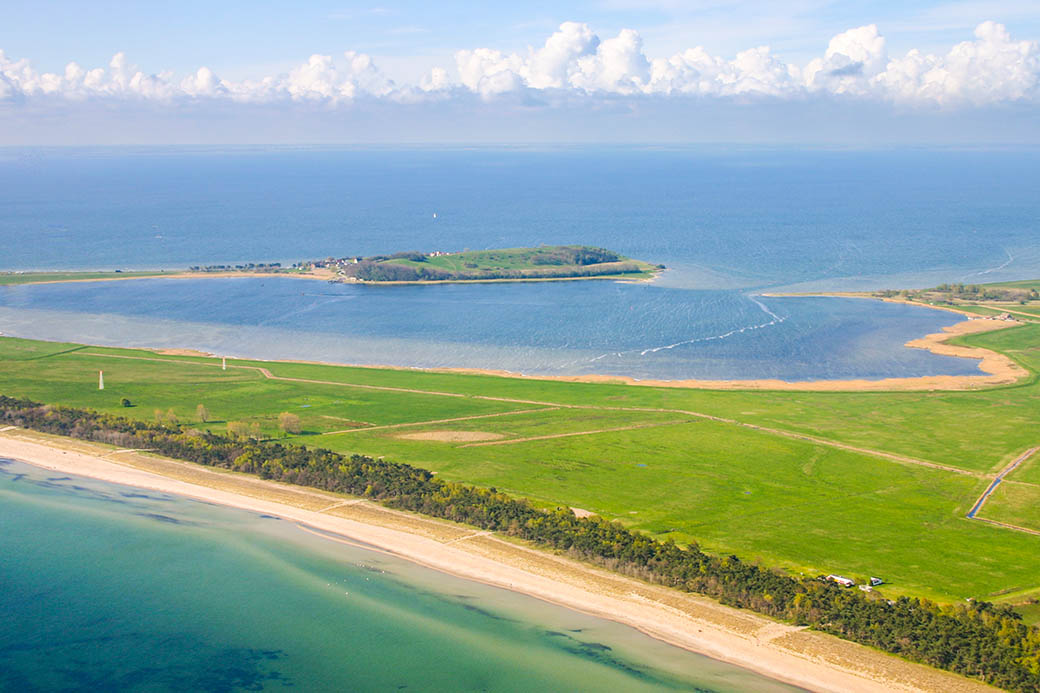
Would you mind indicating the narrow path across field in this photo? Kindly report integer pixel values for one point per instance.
(996, 482)
(440, 421)
(1005, 309)
(266, 373)
(574, 433)
(1006, 525)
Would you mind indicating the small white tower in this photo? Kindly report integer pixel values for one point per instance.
(223, 363)
(101, 380)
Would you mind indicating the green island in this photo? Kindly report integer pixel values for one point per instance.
(506, 264)
(544, 263)
(936, 492)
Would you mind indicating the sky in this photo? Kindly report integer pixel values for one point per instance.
(963, 73)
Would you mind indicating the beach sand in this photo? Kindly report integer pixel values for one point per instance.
(805, 658)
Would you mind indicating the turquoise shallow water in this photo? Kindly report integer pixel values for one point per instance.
(106, 587)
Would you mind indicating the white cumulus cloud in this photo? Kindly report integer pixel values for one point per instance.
(990, 68)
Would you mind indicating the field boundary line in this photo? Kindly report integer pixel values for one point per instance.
(996, 482)
(439, 421)
(774, 431)
(812, 439)
(1008, 310)
(575, 433)
(1007, 525)
(56, 353)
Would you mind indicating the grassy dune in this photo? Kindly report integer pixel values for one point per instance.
(806, 506)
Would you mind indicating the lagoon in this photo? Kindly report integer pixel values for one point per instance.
(551, 328)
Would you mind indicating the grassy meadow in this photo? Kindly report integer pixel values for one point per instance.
(650, 457)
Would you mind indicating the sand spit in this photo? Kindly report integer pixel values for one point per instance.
(805, 658)
(319, 275)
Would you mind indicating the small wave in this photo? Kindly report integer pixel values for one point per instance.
(1010, 259)
(776, 320)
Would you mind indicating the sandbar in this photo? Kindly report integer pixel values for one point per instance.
(795, 655)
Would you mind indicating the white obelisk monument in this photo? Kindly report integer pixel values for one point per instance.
(223, 363)
(101, 380)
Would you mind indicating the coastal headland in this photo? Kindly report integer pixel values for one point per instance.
(788, 653)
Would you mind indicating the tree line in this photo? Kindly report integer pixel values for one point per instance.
(976, 639)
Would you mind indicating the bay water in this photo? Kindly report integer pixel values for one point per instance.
(729, 223)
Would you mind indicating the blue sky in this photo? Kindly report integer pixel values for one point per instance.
(191, 63)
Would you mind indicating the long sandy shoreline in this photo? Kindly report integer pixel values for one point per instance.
(808, 659)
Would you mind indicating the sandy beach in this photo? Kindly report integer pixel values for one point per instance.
(808, 659)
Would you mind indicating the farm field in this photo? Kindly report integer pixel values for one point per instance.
(1015, 503)
(727, 469)
(1028, 472)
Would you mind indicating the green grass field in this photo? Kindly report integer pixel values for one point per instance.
(1015, 503)
(647, 456)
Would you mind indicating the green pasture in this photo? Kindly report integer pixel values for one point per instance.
(67, 374)
(783, 502)
(1028, 472)
(979, 431)
(788, 502)
(1021, 284)
(474, 262)
(1016, 503)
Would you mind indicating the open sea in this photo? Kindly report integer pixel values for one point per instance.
(730, 224)
(106, 588)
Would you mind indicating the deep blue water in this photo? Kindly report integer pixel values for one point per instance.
(722, 217)
(728, 223)
(112, 588)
